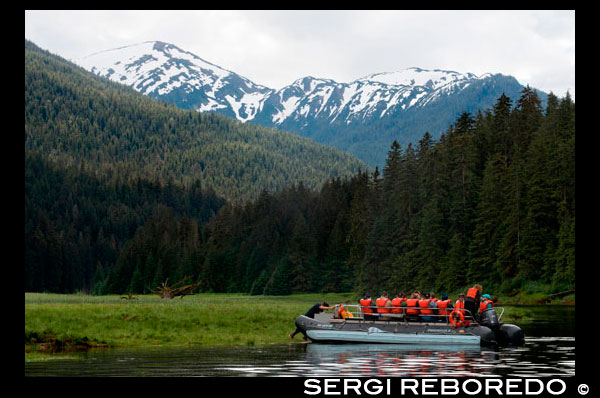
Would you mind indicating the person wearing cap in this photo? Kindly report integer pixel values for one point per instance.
(367, 306)
(444, 307)
(315, 309)
(486, 303)
(460, 306)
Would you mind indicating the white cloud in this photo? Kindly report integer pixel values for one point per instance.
(274, 48)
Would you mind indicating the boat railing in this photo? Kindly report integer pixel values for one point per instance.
(355, 311)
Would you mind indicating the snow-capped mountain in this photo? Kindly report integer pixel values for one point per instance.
(379, 107)
(163, 70)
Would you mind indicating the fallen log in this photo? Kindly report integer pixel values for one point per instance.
(555, 295)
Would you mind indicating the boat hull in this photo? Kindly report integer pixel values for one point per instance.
(329, 336)
(360, 331)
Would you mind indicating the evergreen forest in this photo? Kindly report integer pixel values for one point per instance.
(111, 210)
(491, 202)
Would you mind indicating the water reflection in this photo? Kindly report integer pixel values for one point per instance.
(376, 360)
(546, 356)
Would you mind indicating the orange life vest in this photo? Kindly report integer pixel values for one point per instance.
(484, 304)
(366, 305)
(424, 304)
(412, 303)
(442, 305)
(459, 306)
(396, 305)
(381, 308)
(472, 292)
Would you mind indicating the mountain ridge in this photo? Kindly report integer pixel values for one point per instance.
(330, 112)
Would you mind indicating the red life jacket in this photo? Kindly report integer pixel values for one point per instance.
(396, 305)
(484, 304)
(424, 304)
(442, 305)
(412, 303)
(366, 303)
(381, 308)
(459, 306)
(472, 292)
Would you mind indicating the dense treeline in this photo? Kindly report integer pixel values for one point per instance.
(73, 116)
(492, 201)
(77, 225)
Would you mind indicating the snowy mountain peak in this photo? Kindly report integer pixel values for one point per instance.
(433, 79)
(165, 71)
(161, 69)
(401, 103)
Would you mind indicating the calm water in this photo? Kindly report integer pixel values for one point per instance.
(549, 350)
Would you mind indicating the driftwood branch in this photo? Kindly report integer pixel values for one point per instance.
(555, 295)
(176, 290)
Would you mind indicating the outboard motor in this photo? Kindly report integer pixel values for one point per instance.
(510, 335)
(489, 318)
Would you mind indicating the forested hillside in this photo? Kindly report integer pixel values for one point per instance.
(493, 201)
(78, 118)
(77, 224)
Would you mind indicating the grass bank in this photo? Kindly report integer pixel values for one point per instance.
(83, 321)
(60, 323)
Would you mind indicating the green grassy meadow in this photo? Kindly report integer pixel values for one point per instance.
(59, 323)
(208, 319)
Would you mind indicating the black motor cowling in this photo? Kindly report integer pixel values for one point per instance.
(489, 318)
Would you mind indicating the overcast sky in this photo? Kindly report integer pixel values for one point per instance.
(274, 48)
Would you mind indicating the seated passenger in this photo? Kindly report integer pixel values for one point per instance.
(486, 303)
(412, 305)
(368, 307)
(425, 309)
(384, 305)
(396, 303)
(444, 308)
(433, 304)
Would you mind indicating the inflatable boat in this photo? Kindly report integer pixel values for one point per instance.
(485, 330)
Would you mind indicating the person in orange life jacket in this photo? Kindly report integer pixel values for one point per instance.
(425, 309)
(315, 309)
(444, 307)
(412, 304)
(397, 302)
(486, 303)
(460, 305)
(368, 307)
(384, 305)
(472, 301)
